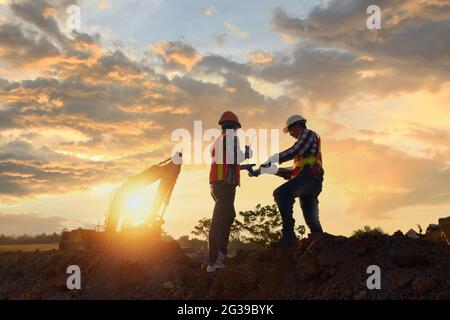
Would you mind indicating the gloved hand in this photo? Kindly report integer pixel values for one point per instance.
(268, 168)
(266, 164)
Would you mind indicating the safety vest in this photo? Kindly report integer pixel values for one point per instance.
(219, 166)
(312, 160)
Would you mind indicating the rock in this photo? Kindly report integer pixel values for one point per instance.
(424, 284)
(398, 233)
(412, 234)
(403, 281)
(362, 295)
(178, 294)
(168, 285)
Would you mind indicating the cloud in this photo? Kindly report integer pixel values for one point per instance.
(437, 137)
(327, 76)
(27, 171)
(177, 55)
(121, 108)
(31, 224)
(106, 105)
(260, 56)
(437, 141)
(18, 48)
(103, 4)
(221, 39)
(36, 13)
(379, 179)
(207, 11)
(413, 33)
(232, 31)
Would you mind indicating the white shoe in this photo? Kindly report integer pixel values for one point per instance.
(211, 268)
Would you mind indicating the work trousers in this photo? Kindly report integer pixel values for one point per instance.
(222, 220)
(307, 188)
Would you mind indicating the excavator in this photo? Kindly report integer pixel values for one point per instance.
(116, 225)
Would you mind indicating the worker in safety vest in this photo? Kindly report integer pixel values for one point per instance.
(224, 177)
(305, 179)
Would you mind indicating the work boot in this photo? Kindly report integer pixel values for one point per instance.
(284, 242)
(220, 262)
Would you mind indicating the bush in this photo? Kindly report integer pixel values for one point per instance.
(367, 230)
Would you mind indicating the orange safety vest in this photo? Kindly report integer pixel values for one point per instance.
(219, 169)
(313, 160)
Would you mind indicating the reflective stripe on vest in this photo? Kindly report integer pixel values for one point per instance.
(219, 171)
(300, 163)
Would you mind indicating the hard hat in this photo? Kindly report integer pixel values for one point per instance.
(291, 120)
(229, 116)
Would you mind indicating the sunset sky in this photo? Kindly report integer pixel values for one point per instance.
(80, 111)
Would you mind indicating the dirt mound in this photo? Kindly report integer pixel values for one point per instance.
(326, 267)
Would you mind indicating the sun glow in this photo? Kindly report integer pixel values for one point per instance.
(137, 205)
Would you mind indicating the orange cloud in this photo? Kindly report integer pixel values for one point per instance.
(260, 56)
(379, 179)
(177, 54)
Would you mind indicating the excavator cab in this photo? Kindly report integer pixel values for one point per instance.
(116, 228)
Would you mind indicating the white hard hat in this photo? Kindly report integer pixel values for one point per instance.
(293, 119)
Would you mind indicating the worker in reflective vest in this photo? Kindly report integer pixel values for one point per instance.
(305, 180)
(224, 177)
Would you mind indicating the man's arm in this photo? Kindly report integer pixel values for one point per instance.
(298, 149)
(241, 156)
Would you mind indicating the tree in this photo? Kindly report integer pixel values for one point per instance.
(202, 228)
(259, 226)
(204, 224)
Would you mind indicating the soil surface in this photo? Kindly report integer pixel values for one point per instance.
(325, 267)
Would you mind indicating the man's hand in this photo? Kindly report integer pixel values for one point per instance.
(266, 164)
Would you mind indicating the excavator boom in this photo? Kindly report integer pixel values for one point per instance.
(166, 172)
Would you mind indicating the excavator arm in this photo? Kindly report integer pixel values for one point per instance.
(166, 172)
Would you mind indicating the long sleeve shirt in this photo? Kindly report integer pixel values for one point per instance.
(306, 145)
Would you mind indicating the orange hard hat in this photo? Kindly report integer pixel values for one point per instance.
(229, 116)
